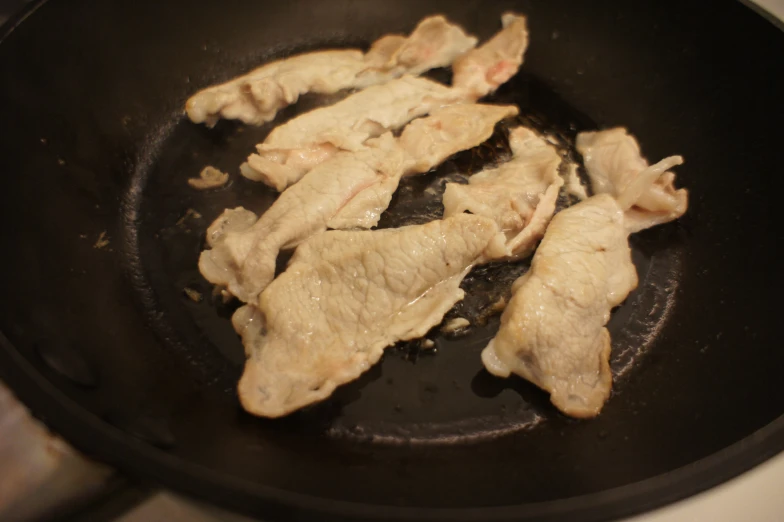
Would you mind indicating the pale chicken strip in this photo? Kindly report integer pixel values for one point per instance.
(351, 190)
(344, 298)
(257, 96)
(519, 195)
(297, 146)
(482, 70)
(553, 330)
(614, 164)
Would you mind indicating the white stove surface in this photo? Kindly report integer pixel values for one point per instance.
(755, 496)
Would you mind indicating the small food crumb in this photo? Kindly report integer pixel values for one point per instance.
(83, 236)
(209, 178)
(188, 213)
(499, 305)
(193, 295)
(102, 241)
(458, 323)
(573, 185)
(61, 162)
(426, 343)
(224, 294)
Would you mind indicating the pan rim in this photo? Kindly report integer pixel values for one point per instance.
(17, 18)
(99, 439)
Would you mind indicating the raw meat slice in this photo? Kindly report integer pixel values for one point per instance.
(297, 146)
(434, 43)
(351, 190)
(552, 332)
(344, 298)
(615, 164)
(482, 70)
(257, 96)
(302, 143)
(519, 195)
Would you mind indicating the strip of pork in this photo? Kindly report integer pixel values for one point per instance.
(351, 190)
(614, 162)
(297, 146)
(519, 195)
(553, 329)
(482, 70)
(257, 96)
(345, 296)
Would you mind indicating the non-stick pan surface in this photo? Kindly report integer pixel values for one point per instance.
(100, 236)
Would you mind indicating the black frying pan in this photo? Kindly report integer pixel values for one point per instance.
(103, 344)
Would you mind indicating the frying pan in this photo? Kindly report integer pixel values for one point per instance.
(101, 233)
